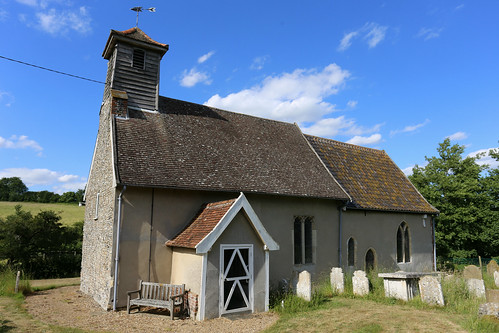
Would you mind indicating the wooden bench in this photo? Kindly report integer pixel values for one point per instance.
(159, 295)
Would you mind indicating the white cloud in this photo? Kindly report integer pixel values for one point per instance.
(429, 33)
(193, 77)
(486, 159)
(205, 57)
(365, 141)
(371, 32)
(329, 127)
(21, 142)
(258, 62)
(3, 15)
(57, 181)
(6, 98)
(294, 97)
(457, 136)
(461, 6)
(375, 34)
(410, 128)
(346, 41)
(352, 104)
(61, 22)
(408, 171)
(32, 3)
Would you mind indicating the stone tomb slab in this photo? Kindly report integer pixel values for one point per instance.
(402, 285)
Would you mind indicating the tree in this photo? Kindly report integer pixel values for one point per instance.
(458, 188)
(40, 244)
(12, 189)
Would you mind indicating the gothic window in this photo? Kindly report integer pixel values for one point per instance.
(303, 240)
(370, 260)
(138, 60)
(403, 243)
(351, 252)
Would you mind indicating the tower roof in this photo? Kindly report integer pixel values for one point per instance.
(133, 36)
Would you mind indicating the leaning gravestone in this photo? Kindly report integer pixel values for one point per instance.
(492, 267)
(337, 280)
(496, 278)
(304, 286)
(474, 281)
(360, 283)
(430, 290)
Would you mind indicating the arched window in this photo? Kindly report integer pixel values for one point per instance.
(403, 243)
(370, 260)
(351, 252)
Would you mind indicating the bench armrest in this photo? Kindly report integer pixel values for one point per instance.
(133, 291)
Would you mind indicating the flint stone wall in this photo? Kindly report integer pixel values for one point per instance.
(97, 248)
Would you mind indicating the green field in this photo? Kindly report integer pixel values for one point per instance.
(70, 213)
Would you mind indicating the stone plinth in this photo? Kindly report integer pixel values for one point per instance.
(496, 278)
(337, 280)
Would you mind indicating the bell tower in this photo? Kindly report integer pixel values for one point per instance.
(133, 70)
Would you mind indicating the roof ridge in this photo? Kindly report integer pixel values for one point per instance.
(346, 144)
(140, 31)
(234, 112)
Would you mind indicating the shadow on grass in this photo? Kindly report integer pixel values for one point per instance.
(6, 326)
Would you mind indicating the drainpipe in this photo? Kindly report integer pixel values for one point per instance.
(341, 209)
(434, 244)
(117, 257)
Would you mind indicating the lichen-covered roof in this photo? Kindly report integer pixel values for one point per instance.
(196, 147)
(370, 177)
(204, 222)
(134, 36)
(137, 34)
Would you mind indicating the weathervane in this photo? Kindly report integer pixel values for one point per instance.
(138, 10)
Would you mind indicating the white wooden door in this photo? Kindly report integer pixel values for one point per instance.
(236, 278)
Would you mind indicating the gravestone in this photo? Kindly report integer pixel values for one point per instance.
(489, 309)
(472, 272)
(492, 267)
(474, 281)
(430, 290)
(476, 287)
(496, 278)
(337, 280)
(304, 286)
(360, 283)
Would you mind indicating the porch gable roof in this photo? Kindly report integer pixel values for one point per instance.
(213, 219)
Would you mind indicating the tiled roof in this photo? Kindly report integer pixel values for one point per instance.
(371, 178)
(192, 146)
(137, 34)
(204, 222)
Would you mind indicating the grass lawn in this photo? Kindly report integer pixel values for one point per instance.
(340, 314)
(70, 213)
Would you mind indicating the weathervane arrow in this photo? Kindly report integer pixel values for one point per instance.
(139, 9)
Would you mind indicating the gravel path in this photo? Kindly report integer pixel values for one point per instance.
(67, 306)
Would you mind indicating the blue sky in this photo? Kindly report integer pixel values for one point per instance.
(394, 75)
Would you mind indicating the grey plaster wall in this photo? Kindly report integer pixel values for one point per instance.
(378, 230)
(97, 248)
